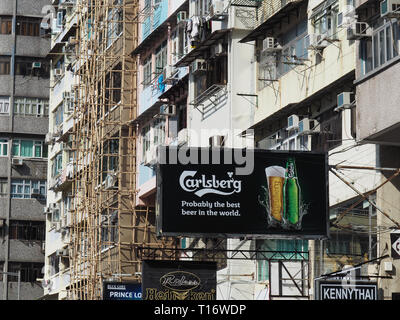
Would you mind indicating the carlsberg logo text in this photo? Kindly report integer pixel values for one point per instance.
(203, 184)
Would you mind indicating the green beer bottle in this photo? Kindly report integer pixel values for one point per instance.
(291, 194)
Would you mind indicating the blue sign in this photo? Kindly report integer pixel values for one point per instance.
(122, 291)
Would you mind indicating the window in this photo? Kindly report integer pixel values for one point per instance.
(3, 147)
(381, 48)
(113, 87)
(179, 43)
(31, 106)
(4, 105)
(217, 73)
(27, 230)
(202, 7)
(28, 26)
(32, 67)
(54, 263)
(29, 149)
(27, 189)
(324, 18)
(3, 187)
(109, 230)
(146, 140)
(56, 166)
(30, 271)
(110, 160)
(58, 116)
(279, 250)
(161, 58)
(147, 71)
(4, 65)
(114, 22)
(5, 25)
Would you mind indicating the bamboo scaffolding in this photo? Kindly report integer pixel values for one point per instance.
(107, 226)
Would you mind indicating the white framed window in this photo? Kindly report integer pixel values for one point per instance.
(161, 58)
(179, 42)
(324, 18)
(202, 7)
(381, 48)
(3, 187)
(23, 188)
(31, 106)
(114, 22)
(4, 105)
(3, 147)
(147, 71)
(25, 148)
(56, 166)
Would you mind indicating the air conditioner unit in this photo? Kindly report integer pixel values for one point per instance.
(49, 138)
(217, 8)
(59, 252)
(293, 122)
(217, 141)
(110, 181)
(58, 72)
(168, 110)
(344, 99)
(198, 65)
(183, 136)
(150, 158)
(358, 30)
(66, 95)
(169, 71)
(388, 266)
(17, 162)
(44, 25)
(218, 49)
(270, 45)
(390, 8)
(315, 41)
(181, 16)
(36, 65)
(308, 125)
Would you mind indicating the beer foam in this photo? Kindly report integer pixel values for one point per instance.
(275, 171)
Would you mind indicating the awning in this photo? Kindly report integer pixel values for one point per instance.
(198, 52)
(261, 31)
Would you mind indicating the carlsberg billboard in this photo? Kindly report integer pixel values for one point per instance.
(239, 192)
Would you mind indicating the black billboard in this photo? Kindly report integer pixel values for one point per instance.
(122, 291)
(284, 195)
(347, 290)
(179, 280)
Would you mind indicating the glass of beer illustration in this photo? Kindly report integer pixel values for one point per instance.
(275, 178)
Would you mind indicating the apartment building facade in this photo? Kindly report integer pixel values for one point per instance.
(24, 110)
(377, 122)
(62, 25)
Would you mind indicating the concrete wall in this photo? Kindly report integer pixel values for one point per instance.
(29, 86)
(31, 125)
(3, 167)
(5, 85)
(31, 169)
(378, 103)
(28, 291)
(32, 46)
(388, 201)
(26, 251)
(31, 8)
(6, 7)
(27, 209)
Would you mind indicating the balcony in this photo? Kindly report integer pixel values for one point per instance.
(272, 12)
(210, 100)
